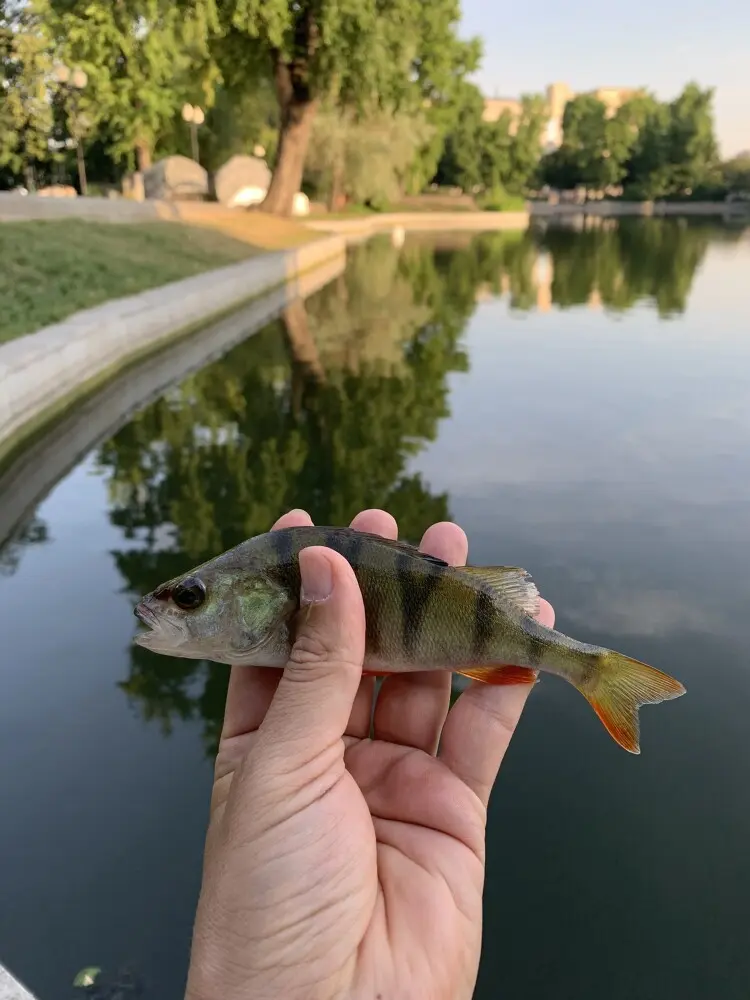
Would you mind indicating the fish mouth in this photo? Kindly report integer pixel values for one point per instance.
(145, 615)
(161, 632)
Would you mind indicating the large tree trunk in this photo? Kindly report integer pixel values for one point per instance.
(298, 109)
(143, 155)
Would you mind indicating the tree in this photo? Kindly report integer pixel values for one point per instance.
(694, 152)
(494, 154)
(459, 163)
(365, 160)
(144, 59)
(676, 150)
(594, 145)
(356, 53)
(240, 118)
(737, 172)
(525, 147)
(25, 68)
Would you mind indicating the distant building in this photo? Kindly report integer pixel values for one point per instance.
(558, 95)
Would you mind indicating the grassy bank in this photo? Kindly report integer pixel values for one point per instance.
(50, 270)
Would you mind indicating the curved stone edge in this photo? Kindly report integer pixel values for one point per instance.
(44, 372)
(11, 989)
(43, 461)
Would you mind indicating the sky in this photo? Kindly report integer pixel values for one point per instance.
(657, 44)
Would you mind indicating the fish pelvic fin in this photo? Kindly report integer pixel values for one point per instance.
(506, 674)
(619, 687)
(511, 583)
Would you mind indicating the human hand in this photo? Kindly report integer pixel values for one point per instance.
(340, 866)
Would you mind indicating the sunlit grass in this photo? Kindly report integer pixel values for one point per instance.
(50, 270)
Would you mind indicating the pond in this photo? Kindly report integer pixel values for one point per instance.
(578, 399)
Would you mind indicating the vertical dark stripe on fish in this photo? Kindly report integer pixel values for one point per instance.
(353, 547)
(484, 613)
(333, 539)
(286, 569)
(373, 597)
(415, 590)
(283, 544)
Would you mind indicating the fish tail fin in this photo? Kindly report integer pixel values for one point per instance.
(618, 688)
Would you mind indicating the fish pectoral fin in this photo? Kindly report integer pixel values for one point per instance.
(507, 674)
(511, 582)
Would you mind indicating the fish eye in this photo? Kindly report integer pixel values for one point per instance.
(189, 594)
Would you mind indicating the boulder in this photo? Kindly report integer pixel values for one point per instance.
(176, 178)
(243, 180)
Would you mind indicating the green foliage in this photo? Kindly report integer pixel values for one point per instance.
(144, 59)
(460, 164)
(595, 146)
(52, 269)
(365, 160)
(26, 55)
(736, 172)
(497, 199)
(354, 51)
(496, 155)
(239, 120)
(655, 150)
(675, 151)
(364, 55)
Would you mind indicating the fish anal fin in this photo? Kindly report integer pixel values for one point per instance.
(506, 674)
(511, 583)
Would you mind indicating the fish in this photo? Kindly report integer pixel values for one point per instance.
(242, 608)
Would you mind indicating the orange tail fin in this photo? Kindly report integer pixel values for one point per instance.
(622, 685)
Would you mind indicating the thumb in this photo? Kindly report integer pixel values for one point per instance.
(313, 701)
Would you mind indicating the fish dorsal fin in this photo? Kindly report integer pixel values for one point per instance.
(510, 582)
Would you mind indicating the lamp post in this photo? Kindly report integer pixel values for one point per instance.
(72, 83)
(194, 117)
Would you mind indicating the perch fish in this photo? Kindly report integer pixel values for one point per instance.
(421, 614)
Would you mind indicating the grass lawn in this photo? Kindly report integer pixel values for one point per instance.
(49, 270)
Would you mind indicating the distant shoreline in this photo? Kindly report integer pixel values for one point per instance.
(646, 209)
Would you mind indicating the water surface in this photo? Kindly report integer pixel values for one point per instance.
(580, 402)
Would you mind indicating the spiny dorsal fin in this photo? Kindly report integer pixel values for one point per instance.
(510, 582)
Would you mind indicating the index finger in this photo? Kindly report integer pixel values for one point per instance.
(480, 725)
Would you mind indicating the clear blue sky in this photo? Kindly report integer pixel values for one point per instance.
(659, 44)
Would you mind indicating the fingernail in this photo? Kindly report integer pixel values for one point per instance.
(317, 578)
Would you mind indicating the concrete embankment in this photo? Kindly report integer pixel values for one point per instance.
(43, 373)
(11, 989)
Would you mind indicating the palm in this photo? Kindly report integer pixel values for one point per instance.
(389, 865)
(429, 831)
